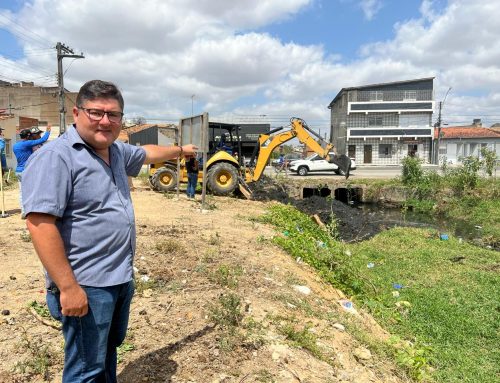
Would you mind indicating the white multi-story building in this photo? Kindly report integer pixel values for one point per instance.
(381, 124)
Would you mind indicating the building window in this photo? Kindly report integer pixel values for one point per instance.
(410, 95)
(376, 95)
(385, 151)
(375, 121)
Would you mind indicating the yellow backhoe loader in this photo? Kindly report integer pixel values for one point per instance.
(225, 173)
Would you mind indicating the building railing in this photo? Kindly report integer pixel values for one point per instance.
(391, 131)
(391, 95)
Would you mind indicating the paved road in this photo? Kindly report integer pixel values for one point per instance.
(380, 172)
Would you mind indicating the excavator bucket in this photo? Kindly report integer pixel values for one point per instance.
(344, 164)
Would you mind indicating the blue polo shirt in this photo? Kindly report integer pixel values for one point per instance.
(24, 149)
(91, 200)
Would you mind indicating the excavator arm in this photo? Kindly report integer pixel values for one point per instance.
(298, 129)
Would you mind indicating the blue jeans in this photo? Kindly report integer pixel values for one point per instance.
(192, 182)
(91, 341)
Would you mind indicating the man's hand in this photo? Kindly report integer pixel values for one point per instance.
(189, 150)
(156, 153)
(49, 128)
(74, 302)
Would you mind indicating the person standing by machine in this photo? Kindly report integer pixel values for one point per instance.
(192, 168)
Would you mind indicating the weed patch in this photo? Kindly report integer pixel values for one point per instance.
(226, 275)
(39, 357)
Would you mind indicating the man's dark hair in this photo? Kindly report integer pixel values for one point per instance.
(94, 89)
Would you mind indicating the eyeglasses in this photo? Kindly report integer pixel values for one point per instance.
(98, 115)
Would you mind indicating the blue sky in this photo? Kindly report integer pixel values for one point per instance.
(262, 60)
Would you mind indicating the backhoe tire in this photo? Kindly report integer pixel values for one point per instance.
(222, 178)
(164, 179)
(302, 171)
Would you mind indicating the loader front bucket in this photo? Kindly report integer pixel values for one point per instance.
(344, 164)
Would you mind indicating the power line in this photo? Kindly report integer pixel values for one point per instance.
(62, 52)
(22, 32)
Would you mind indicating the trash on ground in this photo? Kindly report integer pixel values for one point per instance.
(320, 244)
(286, 233)
(397, 286)
(145, 278)
(302, 289)
(443, 237)
(339, 327)
(395, 294)
(370, 265)
(348, 306)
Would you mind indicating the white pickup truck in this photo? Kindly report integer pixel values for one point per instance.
(315, 163)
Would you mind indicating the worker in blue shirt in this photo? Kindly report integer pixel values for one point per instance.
(24, 148)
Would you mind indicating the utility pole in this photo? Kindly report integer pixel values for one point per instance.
(63, 51)
(192, 104)
(438, 126)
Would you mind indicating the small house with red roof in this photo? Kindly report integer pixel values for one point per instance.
(463, 141)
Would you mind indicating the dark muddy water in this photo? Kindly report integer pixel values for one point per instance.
(358, 222)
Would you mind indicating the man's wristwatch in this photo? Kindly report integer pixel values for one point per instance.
(182, 151)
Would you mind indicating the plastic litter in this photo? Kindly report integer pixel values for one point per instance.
(370, 265)
(444, 237)
(348, 306)
(395, 294)
(397, 286)
(286, 233)
(320, 244)
(478, 227)
(302, 289)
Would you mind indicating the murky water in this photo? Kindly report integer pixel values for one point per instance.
(398, 217)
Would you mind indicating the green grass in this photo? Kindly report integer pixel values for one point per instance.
(448, 311)
(453, 304)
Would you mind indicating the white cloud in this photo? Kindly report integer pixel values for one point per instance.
(370, 8)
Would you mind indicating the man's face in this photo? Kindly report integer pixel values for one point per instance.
(98, 134)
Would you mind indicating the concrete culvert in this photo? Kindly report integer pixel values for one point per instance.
(349, 195)
(320, 192)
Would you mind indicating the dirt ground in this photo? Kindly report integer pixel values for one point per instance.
(187, 261)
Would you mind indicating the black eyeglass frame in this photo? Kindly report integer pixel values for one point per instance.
(111, 114)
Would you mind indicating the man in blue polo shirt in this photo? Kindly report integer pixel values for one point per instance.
(79, 213)
(24, 147)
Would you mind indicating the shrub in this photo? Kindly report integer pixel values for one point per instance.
(489, 160)
(412, 172)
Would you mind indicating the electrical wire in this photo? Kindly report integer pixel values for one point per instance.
(21, 31)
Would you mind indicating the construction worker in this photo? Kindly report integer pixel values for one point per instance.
(23, 149)
(80, 216)
(192, 168)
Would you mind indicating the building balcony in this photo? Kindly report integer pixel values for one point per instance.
(385, 107)
(416, 131)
